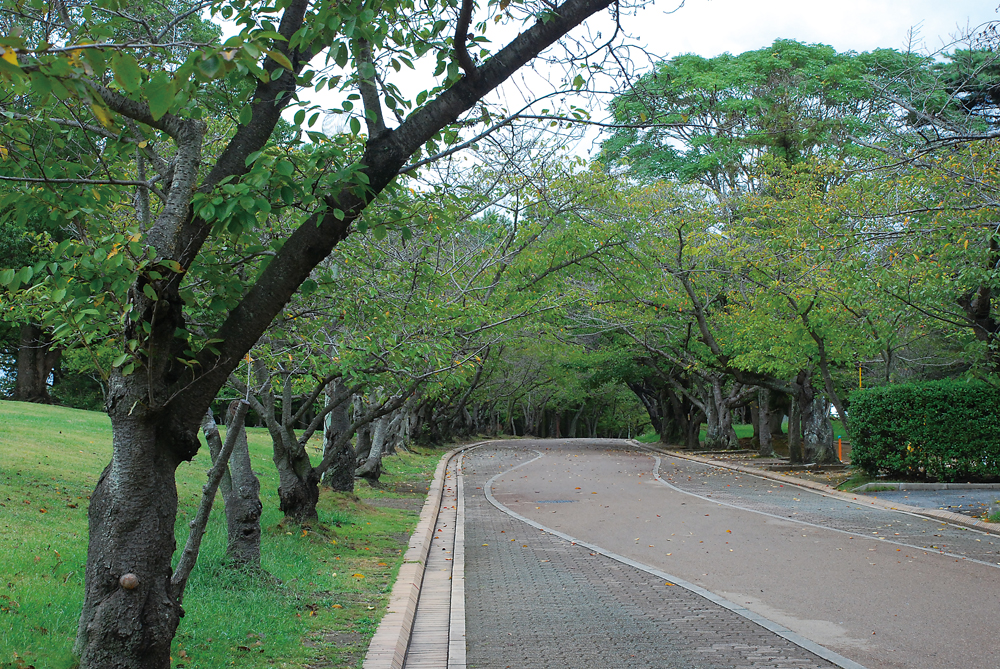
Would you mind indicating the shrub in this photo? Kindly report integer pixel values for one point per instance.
(943, 430)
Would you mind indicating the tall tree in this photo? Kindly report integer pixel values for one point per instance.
(152, 96)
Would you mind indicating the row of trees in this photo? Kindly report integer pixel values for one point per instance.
(759, 230)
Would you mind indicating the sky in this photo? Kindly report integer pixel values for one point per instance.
(711, 27)
(668, 28)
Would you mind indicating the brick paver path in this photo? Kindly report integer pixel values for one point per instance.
(534, 600)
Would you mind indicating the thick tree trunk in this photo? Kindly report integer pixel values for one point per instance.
(298, 485)
(36, 359)
(817, 432)
(131, 611)
(720, 434)
(240, 492)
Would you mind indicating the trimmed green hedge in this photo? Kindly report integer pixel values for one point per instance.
(943, 430)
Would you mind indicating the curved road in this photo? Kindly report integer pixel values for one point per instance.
(882, 588)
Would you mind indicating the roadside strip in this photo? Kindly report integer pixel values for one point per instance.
(389, 645)
(823, 489)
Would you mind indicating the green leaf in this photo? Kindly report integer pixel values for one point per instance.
(119, 360)
(149, 292)
(127, 72)
(160, 94)
(285, 168)
(281, 59)
(355, 125)
(7, 275)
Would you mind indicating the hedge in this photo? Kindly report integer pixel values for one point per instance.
(940, 430)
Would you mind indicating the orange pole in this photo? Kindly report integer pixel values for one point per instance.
(840, 449)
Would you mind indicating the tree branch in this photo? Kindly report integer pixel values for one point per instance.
(190, 554)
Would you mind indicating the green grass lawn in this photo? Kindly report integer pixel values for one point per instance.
(743, 432)
(334, 583)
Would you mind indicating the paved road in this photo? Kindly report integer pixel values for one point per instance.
(885, 589)
(534, 600)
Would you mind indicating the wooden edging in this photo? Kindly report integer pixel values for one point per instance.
(387, 649)
(822, 488)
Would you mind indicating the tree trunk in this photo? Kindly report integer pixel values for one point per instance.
(35, 362)
(298, 483)
(340, 475)
(131, 611)
(371, 467)
(765, 443)
(240, 492)
(794, 434)
(720, 434)
(576, 421)
(817, 432)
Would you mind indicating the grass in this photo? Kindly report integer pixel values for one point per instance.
(334, 582)
(742, 431)
(994, 517)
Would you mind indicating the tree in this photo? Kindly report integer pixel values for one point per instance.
(153, 96)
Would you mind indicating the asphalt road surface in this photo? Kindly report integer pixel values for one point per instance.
(882, 588)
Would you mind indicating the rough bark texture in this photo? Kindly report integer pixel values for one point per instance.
(795, 454)
(817, 432)
(340, 475)
(36, 359)
(131, 523)
(240, 493)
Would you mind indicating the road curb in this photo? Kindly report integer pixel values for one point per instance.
(822, 488)
(388, 646)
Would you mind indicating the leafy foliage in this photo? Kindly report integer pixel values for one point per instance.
(945, 430)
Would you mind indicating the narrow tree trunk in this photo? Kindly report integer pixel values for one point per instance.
(576, 420)
(765, 443)
(240, 492)
(371, 468)
(795, 434)
(340, 475)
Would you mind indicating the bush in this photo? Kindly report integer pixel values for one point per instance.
(943, 430)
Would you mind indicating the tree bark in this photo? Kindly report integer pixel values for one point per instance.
(340, 475)
(795, 454)
(765, 443)
(240, 492)
(817, 432)
(130, 611)
(36, 360)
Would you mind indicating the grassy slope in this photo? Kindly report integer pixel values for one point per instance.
(334, 584)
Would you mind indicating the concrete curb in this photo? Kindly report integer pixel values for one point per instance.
(388, 646)
(823, 489)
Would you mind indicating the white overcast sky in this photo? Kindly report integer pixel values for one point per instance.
(711, 27)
